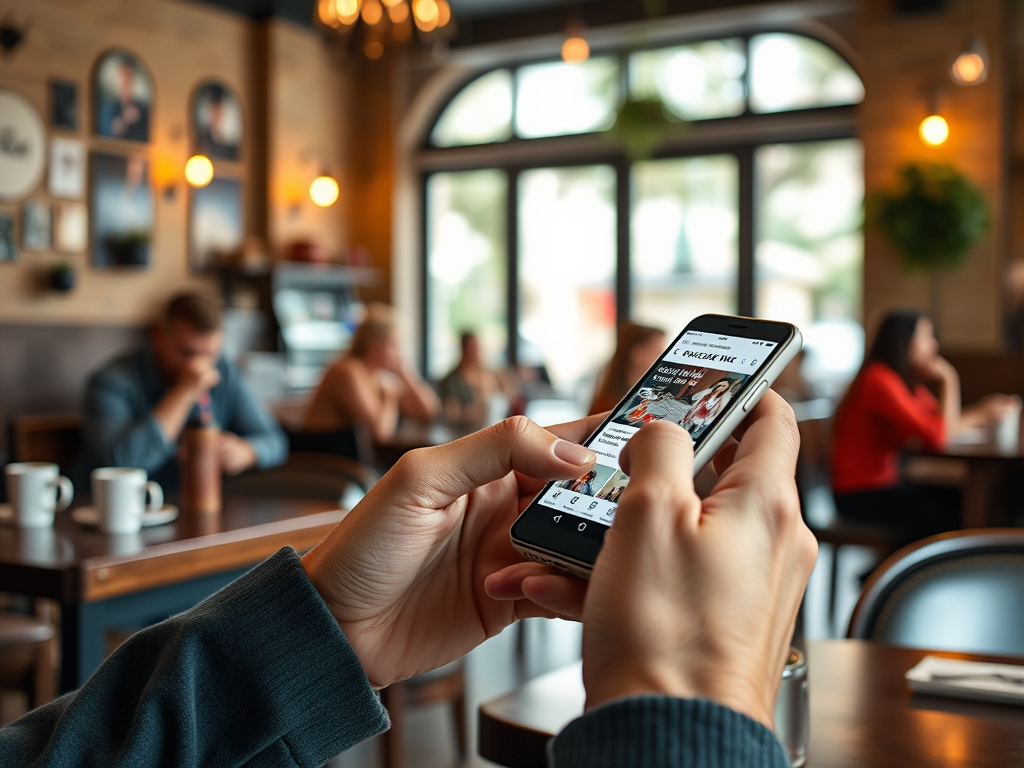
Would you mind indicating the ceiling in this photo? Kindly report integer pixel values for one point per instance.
(301, 11)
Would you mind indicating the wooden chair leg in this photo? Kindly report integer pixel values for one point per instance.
(393, 698)
(461, 730)
(833, 587)
(44, 683)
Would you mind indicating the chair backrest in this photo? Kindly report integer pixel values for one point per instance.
(322, 477)
(959, 591)
(351, 443)
(51, 437)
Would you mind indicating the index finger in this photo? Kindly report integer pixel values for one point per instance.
(769, 441)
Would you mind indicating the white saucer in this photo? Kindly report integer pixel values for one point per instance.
(90, 516)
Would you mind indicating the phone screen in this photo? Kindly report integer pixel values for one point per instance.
(692, 384)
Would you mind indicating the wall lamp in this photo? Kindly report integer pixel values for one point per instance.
(324, 190)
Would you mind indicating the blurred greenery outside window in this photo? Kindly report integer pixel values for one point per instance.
(684, 214)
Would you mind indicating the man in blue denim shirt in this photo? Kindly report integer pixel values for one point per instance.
(137, 406)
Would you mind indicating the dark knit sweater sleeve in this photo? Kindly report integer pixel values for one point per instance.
(665, 732)
(257, 675)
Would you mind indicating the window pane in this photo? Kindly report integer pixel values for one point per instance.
(810, 249)
(684, 251)
(696, 81)
(479, 113)
(566, 271)
(795, 72)
(467, 265)
(556, 98)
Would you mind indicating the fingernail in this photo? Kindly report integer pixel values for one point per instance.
(574, 453)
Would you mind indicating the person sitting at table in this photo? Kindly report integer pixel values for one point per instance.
(137, 405)
(467, 392)
(371, 385)
(683, 648)
(887, 409)
(636, 349)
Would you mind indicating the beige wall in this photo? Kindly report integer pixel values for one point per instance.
(277, 66)
(903, 57)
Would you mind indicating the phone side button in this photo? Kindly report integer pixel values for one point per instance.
(754, 396)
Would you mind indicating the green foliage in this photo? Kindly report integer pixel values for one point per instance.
(934, 218)
(641, 125)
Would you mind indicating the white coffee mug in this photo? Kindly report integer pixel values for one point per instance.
(119, 494)
(37, 490)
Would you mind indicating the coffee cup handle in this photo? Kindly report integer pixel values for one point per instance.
(156, 497)
(65, 492)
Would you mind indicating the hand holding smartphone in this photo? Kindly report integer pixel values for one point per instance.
(707, 380)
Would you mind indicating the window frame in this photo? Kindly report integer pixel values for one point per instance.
(749, 131)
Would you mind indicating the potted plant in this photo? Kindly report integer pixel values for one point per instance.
(641, 124)
(932, 219)
(62, 277)
(129, 248)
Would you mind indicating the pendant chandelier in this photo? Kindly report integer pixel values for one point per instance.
(374, 25)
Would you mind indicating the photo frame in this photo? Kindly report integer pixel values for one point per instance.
(216, 231)
(67, 168)
(121, 205)
(217, 121)
(8, 235)
(123, 97)
(23, 158)
(64, 105)
(36, 218)
(70, 227)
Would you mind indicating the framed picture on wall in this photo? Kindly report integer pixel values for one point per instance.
(70, 227)
(122, 210)
(217, 121)
(23, 158)
(8, 236)
(216, 233)
(64, 105)
(35, 225)
(123, 97)
(67, 168)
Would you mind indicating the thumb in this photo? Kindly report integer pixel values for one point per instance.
(445, 473)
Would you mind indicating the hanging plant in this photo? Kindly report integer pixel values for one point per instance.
(934, 218)
(642, 124)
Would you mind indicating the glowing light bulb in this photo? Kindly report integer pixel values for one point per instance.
(199, 171)
(347, 11)
(575, 49)
(373, 12)
(426, 14)
(444, 13)
(934, 130)
(969, 69)
(373, 48)
(398, 13)
(323, 191)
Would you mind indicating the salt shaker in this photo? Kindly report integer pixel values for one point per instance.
(792, 710)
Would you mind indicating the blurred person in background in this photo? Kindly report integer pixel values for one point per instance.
(888, 409)
(137, 406)
(636, 349)
(371, 385)
(469, 390)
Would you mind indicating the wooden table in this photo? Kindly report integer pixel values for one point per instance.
(863, 715)
(104, 581)
(987, 466)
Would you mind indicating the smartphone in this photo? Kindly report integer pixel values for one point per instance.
(707, 380)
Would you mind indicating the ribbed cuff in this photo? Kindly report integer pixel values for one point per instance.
(665, 732)
(310, 689)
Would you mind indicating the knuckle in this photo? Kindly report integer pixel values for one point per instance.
(516, 427)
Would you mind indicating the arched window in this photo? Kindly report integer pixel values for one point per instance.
(541, 234)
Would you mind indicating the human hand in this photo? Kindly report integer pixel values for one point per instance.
(695, 598)
(199, 375)
(236, 454)
(940, 369)
(996, 407)
(404, 572)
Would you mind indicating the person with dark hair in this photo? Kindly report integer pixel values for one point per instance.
(886, 409)
(467, 391)
(137, 405)
(636, 349)
(370, 385)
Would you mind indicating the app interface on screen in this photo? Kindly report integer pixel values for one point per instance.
(691, 385)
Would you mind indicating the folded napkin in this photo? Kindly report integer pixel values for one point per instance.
(976, 680)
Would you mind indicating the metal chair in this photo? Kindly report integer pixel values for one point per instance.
(958, 591)
(307, 476)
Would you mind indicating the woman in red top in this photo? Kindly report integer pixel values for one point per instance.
(888, 409)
